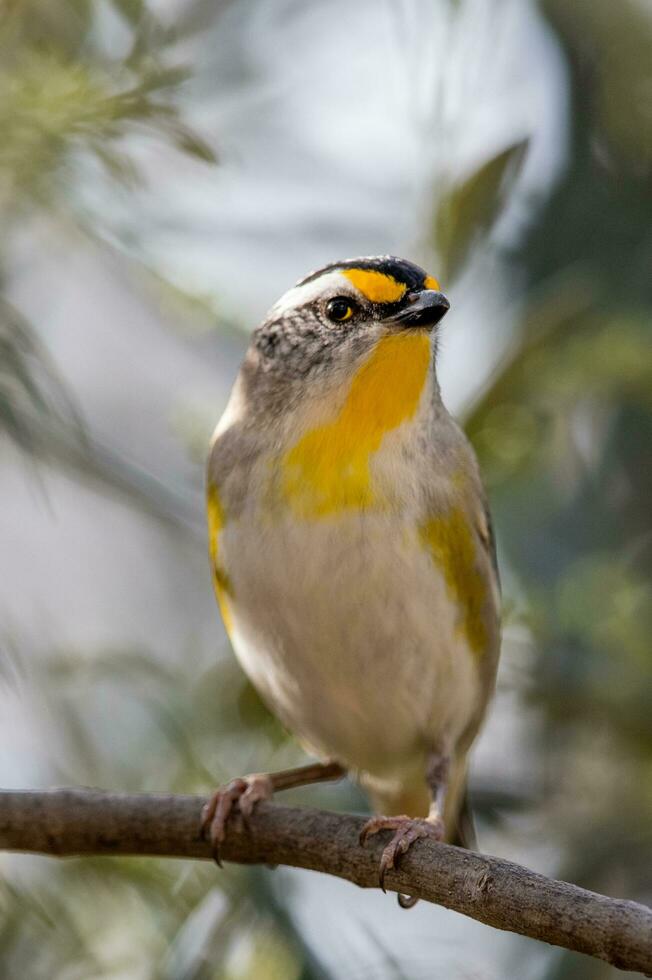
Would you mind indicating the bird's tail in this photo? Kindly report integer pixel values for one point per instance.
(458, 817)
(462, 831)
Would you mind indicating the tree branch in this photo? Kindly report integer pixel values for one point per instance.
(496, 892)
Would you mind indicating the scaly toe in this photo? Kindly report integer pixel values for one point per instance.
(259, 788)
(375, 824)
(406, 832)
(216, 812)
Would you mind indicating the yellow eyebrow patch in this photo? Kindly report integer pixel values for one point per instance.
(431, 283)
(221, 582)
(328, 469)
(449, 539)
(376, 286)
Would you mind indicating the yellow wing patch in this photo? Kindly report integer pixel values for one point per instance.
(327, 470)
(431, 283)
(376, 286)
(449, 539)
(221, 582)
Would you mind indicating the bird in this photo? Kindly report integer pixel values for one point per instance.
(352, 552)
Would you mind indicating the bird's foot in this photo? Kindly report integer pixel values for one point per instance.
(407, 830)
(241, 794)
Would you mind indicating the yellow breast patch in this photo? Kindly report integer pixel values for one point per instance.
(221, 583)
(449, 539)
(327, 470)
(376, 286)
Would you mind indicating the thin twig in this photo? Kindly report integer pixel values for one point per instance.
(496, 892)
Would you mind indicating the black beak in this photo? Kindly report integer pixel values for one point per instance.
(423, 309)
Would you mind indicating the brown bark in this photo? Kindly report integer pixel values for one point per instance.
(496, 892)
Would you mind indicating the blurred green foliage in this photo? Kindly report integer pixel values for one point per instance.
(467, 212)
(565, 438)
(67, 101)
(564, 433)
(62, 96)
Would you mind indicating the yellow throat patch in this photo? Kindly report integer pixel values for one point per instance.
(328, 469)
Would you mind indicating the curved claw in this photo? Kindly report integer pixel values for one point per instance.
(406, 901)
(364, 834)
(406, 832)
(386, 862)
(216, 812)
(241, 793)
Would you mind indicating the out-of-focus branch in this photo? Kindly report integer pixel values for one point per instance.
(496, 892)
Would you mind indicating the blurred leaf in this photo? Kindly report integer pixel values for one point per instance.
(31, 393)
(53, 108)
(616, 45)
(468, 211)
(132, 10)
(192, 144)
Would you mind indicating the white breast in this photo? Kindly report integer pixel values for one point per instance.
(346, 627)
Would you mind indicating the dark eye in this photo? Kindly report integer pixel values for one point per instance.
(340, 309)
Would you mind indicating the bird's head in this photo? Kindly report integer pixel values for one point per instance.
(341, 360)
(332, 318)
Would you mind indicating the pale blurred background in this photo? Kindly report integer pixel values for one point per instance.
(167, 169)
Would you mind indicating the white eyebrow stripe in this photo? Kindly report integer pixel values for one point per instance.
(331, 283)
